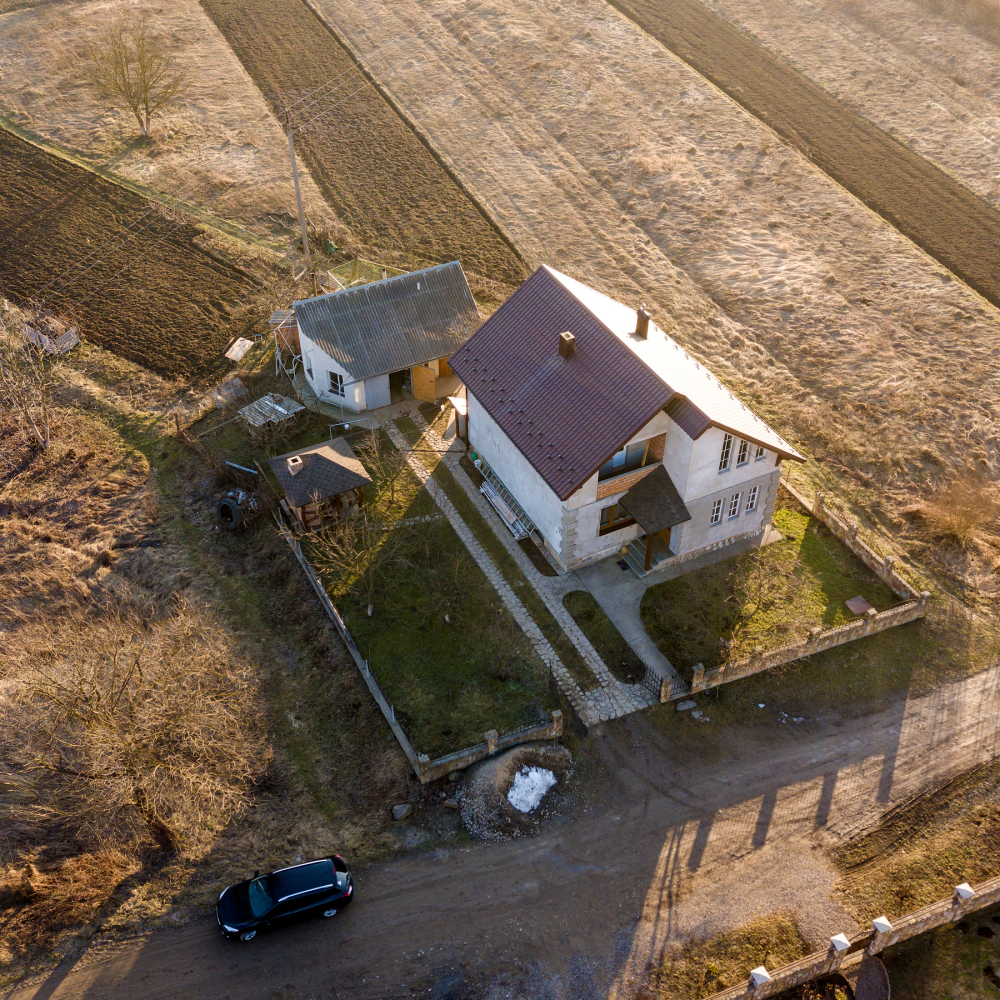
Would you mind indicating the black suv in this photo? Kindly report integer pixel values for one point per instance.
(306, 890)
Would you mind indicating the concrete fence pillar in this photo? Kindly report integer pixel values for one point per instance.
(491, 741)
(887, 565)
(882, 929)
(557, 723)
(819, 504)
(925, 596)
(870, 616)
(698, 679)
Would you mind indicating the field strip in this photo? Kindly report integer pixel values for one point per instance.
(148, 193)
(945, 218)
(387, 186)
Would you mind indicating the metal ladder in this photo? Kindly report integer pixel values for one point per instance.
(521, 526)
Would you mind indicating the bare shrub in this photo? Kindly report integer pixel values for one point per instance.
(141, 730)
(27, 377)
(965, 508)
(130, 66)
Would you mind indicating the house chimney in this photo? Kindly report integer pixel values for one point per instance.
(567, 344)
(642, 322)
(295, 464)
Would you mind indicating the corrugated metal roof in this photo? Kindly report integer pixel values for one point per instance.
(270, 409)
(567, 416)
(388, 325)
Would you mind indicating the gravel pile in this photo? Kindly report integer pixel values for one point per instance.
(486, 809)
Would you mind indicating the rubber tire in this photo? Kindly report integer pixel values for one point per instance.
(248, 935)
(329, 913)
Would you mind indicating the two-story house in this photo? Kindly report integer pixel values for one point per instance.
(607, 435)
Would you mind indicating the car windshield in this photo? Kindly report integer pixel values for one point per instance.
(260, 897)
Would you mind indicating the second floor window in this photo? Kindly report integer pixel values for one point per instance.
(734, 505)
(760, 453)
(337, 383)
(743, 455)
(727, 453)
(632, 456)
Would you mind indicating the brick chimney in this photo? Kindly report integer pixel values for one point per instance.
(642, 322)
(567, 344)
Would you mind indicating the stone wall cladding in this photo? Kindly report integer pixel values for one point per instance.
(871, 942)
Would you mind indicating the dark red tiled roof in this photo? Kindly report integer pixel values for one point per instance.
(566, 416)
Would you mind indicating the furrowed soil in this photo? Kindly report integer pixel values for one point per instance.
(942, 216)
(383, 181)
(604, 154)
(163, 295)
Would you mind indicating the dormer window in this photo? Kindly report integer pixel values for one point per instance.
(632, 456)
(727, 453)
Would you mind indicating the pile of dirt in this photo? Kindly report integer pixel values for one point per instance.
(137, 282)
(486, 810)
(384, 182)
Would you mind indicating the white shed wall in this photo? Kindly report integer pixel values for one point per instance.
(322, 364)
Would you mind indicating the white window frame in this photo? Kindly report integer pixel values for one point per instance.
(752, 499)
(743, 455)
(734, 505)
(309, 364)
(727, 453)
(336, 384)
(761, 453)
(716, 512)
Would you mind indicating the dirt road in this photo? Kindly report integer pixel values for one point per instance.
(388, 187)
(670, 843)
(946, 219)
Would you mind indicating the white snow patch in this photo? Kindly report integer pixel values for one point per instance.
(530, 785)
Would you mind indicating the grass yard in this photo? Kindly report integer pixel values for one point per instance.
(765, 597)
(446, 652)
(617, 654)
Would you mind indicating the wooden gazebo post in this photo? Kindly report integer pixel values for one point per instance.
(649, 551)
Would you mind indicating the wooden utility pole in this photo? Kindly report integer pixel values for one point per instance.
(298, 193)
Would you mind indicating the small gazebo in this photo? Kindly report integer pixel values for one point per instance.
(656, 506)
(321, 483)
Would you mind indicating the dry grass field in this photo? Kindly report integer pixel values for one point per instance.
(926, 71)
(219, 147)
(245, 723)
(608, 157)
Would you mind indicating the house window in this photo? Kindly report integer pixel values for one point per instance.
(734, 506)
(743, 455)
(337, 383)
(727, 452)
(752, 499)
(632, 456)
(716, 512)
(309, 365)
(760, 452)
(614, 518)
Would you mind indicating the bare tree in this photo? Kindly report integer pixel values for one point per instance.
(27, 375)
(158, 725)
(130, 65)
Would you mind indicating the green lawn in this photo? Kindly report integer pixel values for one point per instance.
(765, 597)
(617, 654)
(453, 679)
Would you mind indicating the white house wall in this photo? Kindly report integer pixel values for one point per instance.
(322, 364)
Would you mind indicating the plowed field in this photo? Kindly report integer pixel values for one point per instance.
(388, 187)
(162, 299)
(948, 220)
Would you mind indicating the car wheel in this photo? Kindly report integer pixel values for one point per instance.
(329, 913)
(248, 935)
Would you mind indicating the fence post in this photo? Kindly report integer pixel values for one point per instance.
(557, 723)
(925, 596)
(870, 619)
(819, 506)
(491, 741)
(698, 678)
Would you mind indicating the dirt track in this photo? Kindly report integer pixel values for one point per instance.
(387, 186)
(171, 310)
(677, 841)
(946, 219)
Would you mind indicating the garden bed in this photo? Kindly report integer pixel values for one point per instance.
(617, 654)
(766, 597)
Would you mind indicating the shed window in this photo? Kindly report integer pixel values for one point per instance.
(743, 455)
(752, 499)
(632, 456)
(716, 512)
(734, 505)
(727, 453)
(337, 383)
